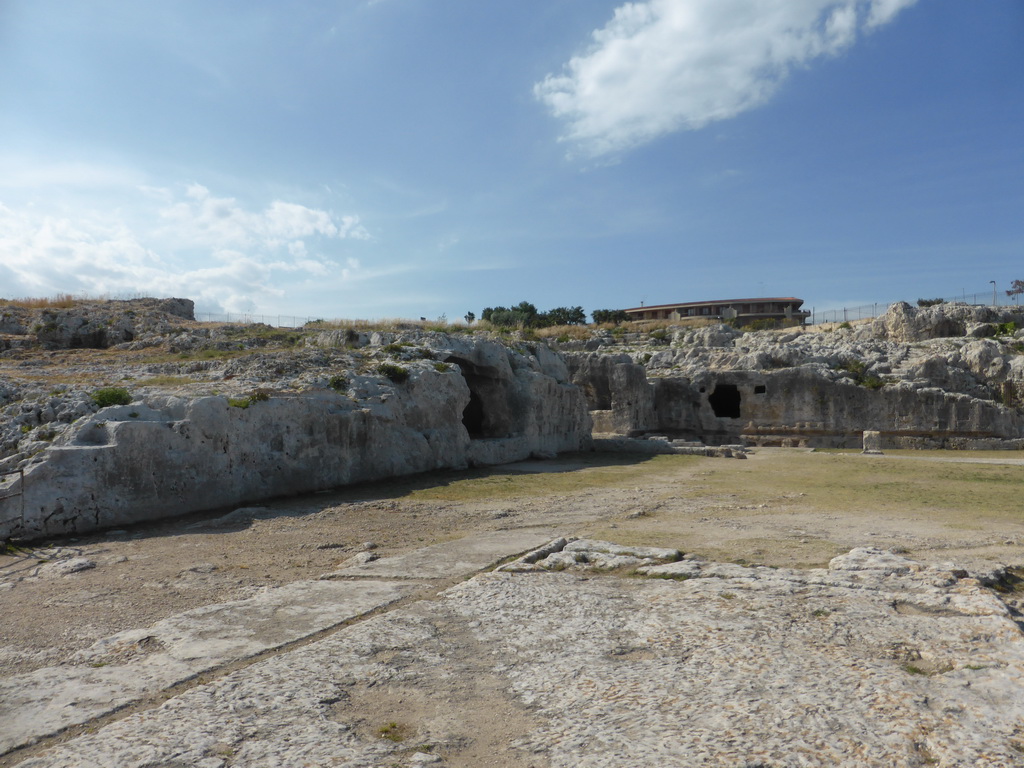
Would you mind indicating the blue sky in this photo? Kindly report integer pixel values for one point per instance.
(408, 158)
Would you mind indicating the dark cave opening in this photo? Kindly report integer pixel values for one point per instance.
(489, 413)
(725, 401)
(473, 416)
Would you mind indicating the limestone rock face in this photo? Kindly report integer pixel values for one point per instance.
(617, 389)
(92, 325)
(462, 402)
(920, 377)
(903, 322)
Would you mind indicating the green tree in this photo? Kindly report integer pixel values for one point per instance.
(564, 316)
(1016, 289)
(609, 316)
(522, 315)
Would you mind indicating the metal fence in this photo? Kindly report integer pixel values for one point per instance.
(870, 311)
(281, 321)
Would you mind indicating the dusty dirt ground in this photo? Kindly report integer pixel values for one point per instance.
(719, 508)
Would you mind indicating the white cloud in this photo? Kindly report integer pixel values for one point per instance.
(666, 65)
(212, 249)
(22, 174)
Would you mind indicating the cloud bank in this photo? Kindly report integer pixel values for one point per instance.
(214, 250)
(662, 66)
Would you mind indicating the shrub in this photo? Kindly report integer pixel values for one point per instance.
(111, 396)
(256, 396)
(929, 302)
(859, 369)
(442, 367)
(396, 373)
(338, 382)
(762, 324)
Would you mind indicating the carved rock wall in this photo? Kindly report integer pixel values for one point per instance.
(923, 378)
(168, 455)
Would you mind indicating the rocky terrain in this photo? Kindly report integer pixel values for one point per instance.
(403, 624)
(138, 413)
(210, 415)
(950, 375)
(579, 653)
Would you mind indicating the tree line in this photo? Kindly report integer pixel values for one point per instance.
(525, 315)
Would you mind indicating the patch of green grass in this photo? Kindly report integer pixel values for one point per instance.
(393, 732)
(167, 381)
(396, 348)
(396, 373)
(845, 482)
(256, 396)
(666, 576)
(590, 471)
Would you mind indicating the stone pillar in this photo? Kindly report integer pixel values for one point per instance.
(872, 442)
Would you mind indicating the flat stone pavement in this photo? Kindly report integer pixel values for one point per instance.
(580, 654)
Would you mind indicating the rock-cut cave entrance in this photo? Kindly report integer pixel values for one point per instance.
(725, 401)
(490, 411)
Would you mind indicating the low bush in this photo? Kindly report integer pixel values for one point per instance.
(396, 373)
(106, 396)
(256, 396)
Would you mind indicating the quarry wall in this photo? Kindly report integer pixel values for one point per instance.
(949, 376)
(471, 402)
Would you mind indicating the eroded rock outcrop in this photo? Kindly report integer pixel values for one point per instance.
(944, 376)
(90, 325)
(280, 423)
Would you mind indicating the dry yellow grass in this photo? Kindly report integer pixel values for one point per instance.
(60, 301)
(384, 324)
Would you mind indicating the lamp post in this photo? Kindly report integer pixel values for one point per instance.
(994, 304)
